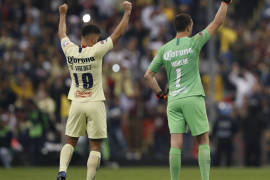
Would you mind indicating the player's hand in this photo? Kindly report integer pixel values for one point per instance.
(127, 7)
(63, 8)
(227, 1)
(162, 95)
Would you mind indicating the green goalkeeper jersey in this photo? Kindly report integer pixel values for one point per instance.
(180, 57)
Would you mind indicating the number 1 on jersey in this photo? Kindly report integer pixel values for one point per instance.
(87, 80)
(178, 77)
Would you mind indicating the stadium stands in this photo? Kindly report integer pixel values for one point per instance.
(34, 80)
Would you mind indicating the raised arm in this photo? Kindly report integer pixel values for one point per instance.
(219, 18)
(123, 25)
(62, 29)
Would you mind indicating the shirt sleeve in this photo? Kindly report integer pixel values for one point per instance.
(157, 62)
(102, 47)
(66, 45)
(201, 38)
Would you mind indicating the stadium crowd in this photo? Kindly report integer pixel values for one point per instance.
(35, 80)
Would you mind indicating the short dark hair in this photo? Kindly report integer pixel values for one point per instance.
(90, 29)
(182, 21)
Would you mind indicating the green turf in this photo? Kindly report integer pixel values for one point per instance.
(142, 173)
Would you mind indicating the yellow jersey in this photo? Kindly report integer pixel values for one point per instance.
(85, 67)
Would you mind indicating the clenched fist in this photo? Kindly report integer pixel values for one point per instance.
(63, 9)
(127, 6)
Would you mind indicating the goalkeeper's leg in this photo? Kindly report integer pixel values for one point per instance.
(204, 155)
(94, 158)
(175, 155)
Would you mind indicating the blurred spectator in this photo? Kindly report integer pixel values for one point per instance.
(244, 82)
(200, 18)
(161, 135)
(7, 96)
(228, 36)
(253, 124)
(223, 133)
(153, 18)
(5, 141)
(117, 140)
(38, 124)
(44, 102)
(22, 86)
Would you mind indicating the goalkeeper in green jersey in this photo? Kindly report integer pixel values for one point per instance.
(186, 105)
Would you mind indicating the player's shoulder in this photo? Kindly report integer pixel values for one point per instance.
(168, 45)
(66, 42)
(196, 36)
(104, 41)
(200, 34)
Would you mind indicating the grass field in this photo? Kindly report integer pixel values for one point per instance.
(142, 173)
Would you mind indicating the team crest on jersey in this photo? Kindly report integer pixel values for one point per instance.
(66, 43)
(103, 41)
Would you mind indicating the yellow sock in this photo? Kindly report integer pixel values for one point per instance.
(65, 157)
(93, 164)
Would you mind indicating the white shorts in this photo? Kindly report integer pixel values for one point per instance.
(87, 117)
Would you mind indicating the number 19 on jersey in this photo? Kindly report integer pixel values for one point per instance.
(87, 80)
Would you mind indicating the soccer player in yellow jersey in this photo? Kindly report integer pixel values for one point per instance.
(87, 112)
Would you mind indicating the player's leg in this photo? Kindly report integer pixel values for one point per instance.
(93, 162)
(66, 152)
(97, 131)
(65, 156)
(175, 155)
(177, 127)
(196, 118)
(204, 155)
(76, 127)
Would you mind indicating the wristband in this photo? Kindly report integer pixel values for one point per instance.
(162, 96)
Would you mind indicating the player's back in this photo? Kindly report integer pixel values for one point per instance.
(85, 67)
(180, 57)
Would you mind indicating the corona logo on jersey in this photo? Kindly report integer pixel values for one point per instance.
(71, 60)
(171, 54)
(83, 94)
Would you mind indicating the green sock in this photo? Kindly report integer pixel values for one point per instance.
(175, 163)
(105, 148)
(204, 161)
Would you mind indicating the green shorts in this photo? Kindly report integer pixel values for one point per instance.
(188, 112)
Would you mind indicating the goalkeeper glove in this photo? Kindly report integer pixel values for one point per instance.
(227, 1)
(162, 95)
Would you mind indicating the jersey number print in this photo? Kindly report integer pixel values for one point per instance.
(178, 77)
(87, 80)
